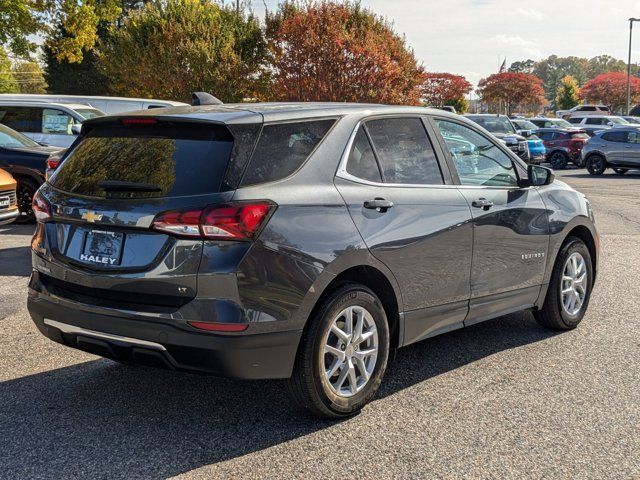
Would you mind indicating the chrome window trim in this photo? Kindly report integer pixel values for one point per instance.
(66, 328)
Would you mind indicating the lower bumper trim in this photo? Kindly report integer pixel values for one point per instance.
(66, 328)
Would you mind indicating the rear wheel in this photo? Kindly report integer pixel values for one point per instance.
(25, 191)
(570, 287)
(558, 160)
(343, 354)
(596, 164)
(621, 171)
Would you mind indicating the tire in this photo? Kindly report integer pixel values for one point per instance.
(596, 164)
(25, 191)
(309, 385)
(621, 171)
(554, 313)
(558, 160)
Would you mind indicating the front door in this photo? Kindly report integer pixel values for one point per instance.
(412, 219)
(511, 231)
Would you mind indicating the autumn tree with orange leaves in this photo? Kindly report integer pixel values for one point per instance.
(440, 89)
(327, 51)
(511, 90)
(611, 89)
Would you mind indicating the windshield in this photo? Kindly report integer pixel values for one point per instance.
(525, 125)
(89, 113)
(495, 124)
(563, 124)
(10, 138)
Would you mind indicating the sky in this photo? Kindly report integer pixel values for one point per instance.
(473, 37)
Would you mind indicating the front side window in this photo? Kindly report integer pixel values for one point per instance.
(362, 161)
(404, 151)
(283, 148)
(56, 121)
(477, 159)
(575, 120)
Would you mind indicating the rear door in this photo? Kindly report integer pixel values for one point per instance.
(510, 224)
(400, 197)
(632, 149)
(615, 147)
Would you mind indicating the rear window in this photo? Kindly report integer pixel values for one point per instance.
(169, 160)
(283, 148)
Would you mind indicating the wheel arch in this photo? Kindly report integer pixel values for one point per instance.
(584, 234)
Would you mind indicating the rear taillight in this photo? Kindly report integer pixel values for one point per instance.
(41, 208)
(53, 161)
(234, 221)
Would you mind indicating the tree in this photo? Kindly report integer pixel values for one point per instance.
(604, 64)
(460, 104)
(553, 69)
(18, 20)
(29, 77)
(611, 89)
(438, 88)
(172, 48)
(510, 90)
(328, 51)
(526, 66)
(8, 82)
(568, 93)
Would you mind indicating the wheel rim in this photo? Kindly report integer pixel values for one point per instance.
(573, 288)
(350, 351)
(24, 200)
(557, 158)
(597, 164)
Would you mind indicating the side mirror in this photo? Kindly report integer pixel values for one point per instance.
(539, 176)
(610, 124)
(75, 129)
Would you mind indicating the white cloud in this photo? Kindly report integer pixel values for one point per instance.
(530, 13)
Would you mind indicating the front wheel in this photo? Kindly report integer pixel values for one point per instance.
(558, 160)
(570, 287)
(343, 354)
(25, 191)
(596, 164)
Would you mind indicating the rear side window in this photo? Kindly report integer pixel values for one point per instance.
(620, 137)
(404, 151)
(575, 120)
(163, 160)
(22, 119)
(283, 148)
(362, 162)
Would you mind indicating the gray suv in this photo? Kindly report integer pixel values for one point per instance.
(300, 241)
(617, 148)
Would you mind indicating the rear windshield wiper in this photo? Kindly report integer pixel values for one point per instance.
(120, 186)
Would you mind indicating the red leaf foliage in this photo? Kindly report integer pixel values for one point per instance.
(512, 89)
(437, 88)
(611, 89)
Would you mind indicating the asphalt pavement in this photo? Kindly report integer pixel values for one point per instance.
(502, 399)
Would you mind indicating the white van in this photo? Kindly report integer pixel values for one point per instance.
(55, 124)
(109, 105)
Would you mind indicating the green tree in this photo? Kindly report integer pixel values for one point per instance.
(18, 20)
(8, 82)
(29, 77)
(460, 104)
(525, 66)
(568, 93)
(604, 64)
(169, 49)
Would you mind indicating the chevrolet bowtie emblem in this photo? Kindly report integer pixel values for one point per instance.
(91, 217)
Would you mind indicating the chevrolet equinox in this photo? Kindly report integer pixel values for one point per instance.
(302, 241)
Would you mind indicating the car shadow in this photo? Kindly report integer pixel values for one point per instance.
(101, 419)
(607, 174)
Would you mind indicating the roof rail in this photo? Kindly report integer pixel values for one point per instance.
(204, 98)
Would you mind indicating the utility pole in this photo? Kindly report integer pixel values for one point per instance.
(631, 20)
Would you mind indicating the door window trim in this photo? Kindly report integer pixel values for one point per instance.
(447, 178)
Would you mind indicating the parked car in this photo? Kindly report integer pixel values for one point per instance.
(544, 122)
(54, 124)
(584, 110)
(617, 148)
(8, 203)
(501, 127)
(537, 150)
(108, 105)
(631, 119)
(603, 121)
(232, 267)
(26, 160)
(563, 146)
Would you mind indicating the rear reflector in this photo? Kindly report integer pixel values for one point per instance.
(234, 221)
(220, 327)
(139, 121)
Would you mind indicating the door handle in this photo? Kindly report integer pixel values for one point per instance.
(379, 204)
(482, 203)
(627, 146)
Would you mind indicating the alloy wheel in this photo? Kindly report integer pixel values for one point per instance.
(350, 351)
(573, 287)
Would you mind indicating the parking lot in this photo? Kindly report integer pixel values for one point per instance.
(502, 399)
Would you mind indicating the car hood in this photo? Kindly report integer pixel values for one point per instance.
(509, 138)
(42, 150)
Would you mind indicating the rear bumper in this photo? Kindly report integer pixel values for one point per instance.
(8, 216)
(110, 333)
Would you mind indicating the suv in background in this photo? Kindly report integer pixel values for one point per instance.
(54, 124)
(537, 150)
(594, 123)
(584, 110)
(563, 146)
(500, 126)
(301, 241)
(544, 122)
(617, 148)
